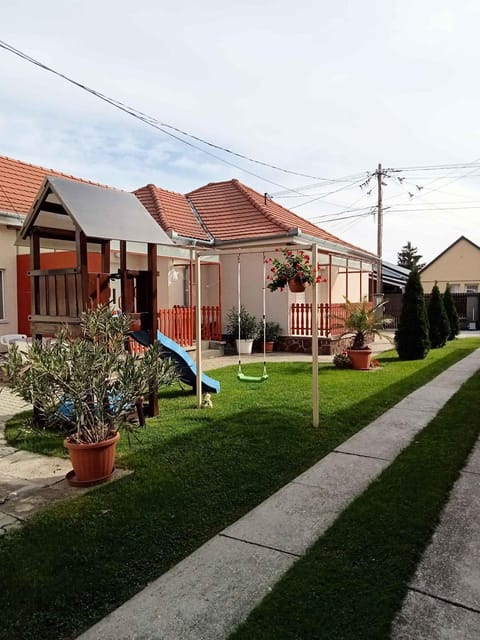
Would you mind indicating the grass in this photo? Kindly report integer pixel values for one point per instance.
(195, 473)
(353, 580)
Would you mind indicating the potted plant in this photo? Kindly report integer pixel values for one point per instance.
(361, 322)
(294, 270)
(272, 332)
(243, 327)
(92, 382)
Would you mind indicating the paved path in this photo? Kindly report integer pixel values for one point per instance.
(211, 591)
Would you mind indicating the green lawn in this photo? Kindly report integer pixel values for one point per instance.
(353, 580)
(195, 473)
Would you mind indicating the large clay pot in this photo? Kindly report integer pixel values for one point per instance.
(360, 358)
(296, 285)
(92, 463)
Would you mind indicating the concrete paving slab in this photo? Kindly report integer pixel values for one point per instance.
(26, 502)
(389, 434)
(7, 523)
(202, 598)
(10, 486)
(425, 618)
(429, 398)
(293, 518)
(450, 566)
(38, 469)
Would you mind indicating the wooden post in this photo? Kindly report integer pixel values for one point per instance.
(82, 267)
(152, 272)
(315, 400)
(198, 319)
(379, 173)
(105, 260)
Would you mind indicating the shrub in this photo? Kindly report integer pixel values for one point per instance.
(451, 311)
(249, 325)
(411, 338)
(439, 326)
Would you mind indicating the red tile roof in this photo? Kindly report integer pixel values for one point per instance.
(20, 182)
(221, 210)
(231, 210)
(172, 211)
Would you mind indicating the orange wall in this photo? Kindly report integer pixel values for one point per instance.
(56, 260)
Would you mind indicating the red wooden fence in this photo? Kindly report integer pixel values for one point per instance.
(330, 317)
(179, 324)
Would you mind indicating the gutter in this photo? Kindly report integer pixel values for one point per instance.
(278, 236)
(339, 249)
(189, 241)
(10, 218)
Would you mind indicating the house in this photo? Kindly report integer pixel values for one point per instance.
(235, 227)
(458, 265)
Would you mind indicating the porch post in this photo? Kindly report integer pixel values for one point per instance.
(198, 329)
(315, 403)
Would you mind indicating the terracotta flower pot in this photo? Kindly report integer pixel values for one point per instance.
(296, 285)
(92, 463)
(360, 358)
(269, 347)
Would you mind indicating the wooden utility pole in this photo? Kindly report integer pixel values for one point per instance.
(379, 227)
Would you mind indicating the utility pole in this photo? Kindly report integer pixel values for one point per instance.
(379, 175)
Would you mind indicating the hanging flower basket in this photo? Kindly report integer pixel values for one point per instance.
(296, 285)
(294, 270)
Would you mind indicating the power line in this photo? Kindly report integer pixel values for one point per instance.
(162, 126)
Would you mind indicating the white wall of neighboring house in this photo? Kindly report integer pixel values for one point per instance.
(8, 268)
(459, 265)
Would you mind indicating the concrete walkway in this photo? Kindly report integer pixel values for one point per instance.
(208, 594)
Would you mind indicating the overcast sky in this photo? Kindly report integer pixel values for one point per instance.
(328, 89)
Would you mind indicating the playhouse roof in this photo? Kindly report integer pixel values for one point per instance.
(100, 212)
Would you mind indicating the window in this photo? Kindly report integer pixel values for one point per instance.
(2, 300)
(471, 288)
(455, 288)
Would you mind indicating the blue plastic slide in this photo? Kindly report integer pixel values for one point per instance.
(185, 365)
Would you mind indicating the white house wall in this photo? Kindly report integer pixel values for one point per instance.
(8, 264)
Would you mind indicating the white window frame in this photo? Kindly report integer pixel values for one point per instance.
(455, 287)
(471, 288)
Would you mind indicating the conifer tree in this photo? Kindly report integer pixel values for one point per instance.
(451, 311)
(439, 326)
(408, 257)
(411, 338)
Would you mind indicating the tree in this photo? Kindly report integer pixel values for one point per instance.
(439, 326)
(408, 257)
(411, 338)
(451, 311)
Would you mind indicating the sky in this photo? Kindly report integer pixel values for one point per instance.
(325, 89)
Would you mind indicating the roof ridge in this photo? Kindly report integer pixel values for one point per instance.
(210, 184)
(260, 207)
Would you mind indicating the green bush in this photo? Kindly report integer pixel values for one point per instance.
(451, 311)
(411, 338)
(249, 325)
(439, 326)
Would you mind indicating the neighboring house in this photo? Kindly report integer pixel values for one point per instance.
(227, 216)
(458, 265)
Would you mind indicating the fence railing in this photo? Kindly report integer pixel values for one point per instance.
(330, 317)
(178, 323)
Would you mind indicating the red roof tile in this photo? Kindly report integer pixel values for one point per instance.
(231, 210)
(172, 211)
(20, 182)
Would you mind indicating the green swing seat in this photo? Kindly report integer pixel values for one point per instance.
(243, 378)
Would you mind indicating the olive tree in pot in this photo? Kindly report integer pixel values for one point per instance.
(243, 327)
(93, 383)
(361, 322)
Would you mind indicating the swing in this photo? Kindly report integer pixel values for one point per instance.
(240, 375)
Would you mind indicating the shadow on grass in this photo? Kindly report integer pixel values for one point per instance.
(191, 480)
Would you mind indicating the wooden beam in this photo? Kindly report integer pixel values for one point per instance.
(105, 257)
(55, 234)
